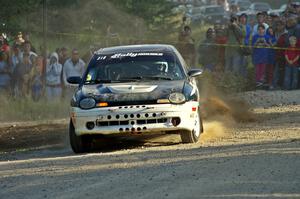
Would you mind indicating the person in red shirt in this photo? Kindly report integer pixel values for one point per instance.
(282, 42)
(292, 55)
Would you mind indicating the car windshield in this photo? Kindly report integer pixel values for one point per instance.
(244, 4)
(283, 7)
(214, 10)
(196, 10)
(262, 7)
(127, 67)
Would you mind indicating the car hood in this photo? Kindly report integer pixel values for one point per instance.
(134, 91)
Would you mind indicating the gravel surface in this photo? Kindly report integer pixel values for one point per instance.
(258, 159)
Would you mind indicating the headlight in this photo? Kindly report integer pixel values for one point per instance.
(87, 103)
(177, 98)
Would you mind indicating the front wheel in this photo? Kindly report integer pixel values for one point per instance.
(194, 135)
(79, 144)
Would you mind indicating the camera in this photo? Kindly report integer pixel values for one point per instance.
(233, 19)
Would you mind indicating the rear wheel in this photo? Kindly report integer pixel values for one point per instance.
(79, 144)
(194, 135)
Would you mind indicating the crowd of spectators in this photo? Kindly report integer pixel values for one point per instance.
(25, 73)
(271, 46)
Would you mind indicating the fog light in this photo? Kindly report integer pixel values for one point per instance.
(175, 121)
(90, 125)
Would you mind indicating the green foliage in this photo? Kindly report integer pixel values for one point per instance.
(11, 10)
(16, 13)
(154, 12)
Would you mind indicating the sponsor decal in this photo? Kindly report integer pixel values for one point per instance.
(120, 55)
(101, 58)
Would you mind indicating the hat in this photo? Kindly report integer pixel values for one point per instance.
(210, 30)
(243, 15)
(274, 14)
(260, 13)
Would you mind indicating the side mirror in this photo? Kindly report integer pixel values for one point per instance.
(74, 80)
(195, 72)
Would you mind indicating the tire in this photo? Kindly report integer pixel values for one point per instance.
(79, 144)
(194, 135)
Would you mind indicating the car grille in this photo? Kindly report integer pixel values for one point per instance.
(132, 122)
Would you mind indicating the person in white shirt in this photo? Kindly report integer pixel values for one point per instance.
(72, 67)
(260, 21)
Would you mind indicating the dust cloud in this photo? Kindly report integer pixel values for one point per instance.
(221, 113)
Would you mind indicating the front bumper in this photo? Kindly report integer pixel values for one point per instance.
(135, 119)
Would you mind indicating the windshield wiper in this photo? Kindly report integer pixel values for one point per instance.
(130, 79)
(148, 78)
(99, 81)
(157, 77)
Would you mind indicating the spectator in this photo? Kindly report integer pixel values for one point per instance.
(5, 72)
(35, 78)
(246, 36)
(246, 28)
(27, 50)
(234, 8)
(19, 39)
(281, 35)
(4, 44)
(292, 55)
(53, 78)
(207, 47)
(184, 22)
(187, 46)
(293, 27)
(260, 21)
(26, 38)
(271, 57)
(269, 20)
(16, 59)
(23, 74)
(233, 56)
(63, 56)
(260, 54)
(28, 64)
(58, 52)
(221, 39)
(73, 67)
(275, 18)
(297, 8)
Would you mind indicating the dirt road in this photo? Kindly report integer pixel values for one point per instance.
(260, 159)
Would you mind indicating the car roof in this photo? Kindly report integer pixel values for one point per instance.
(137, 48)
(260, 3)
(239, 1)
(212, 6)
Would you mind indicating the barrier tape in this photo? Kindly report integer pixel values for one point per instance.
(246, 46)
(173, 43)
(176, 43)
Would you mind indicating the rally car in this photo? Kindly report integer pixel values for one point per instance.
(139, 89)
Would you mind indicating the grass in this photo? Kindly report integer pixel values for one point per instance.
(27, 110)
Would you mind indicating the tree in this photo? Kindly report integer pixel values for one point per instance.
(10, 12)
(154, 12)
